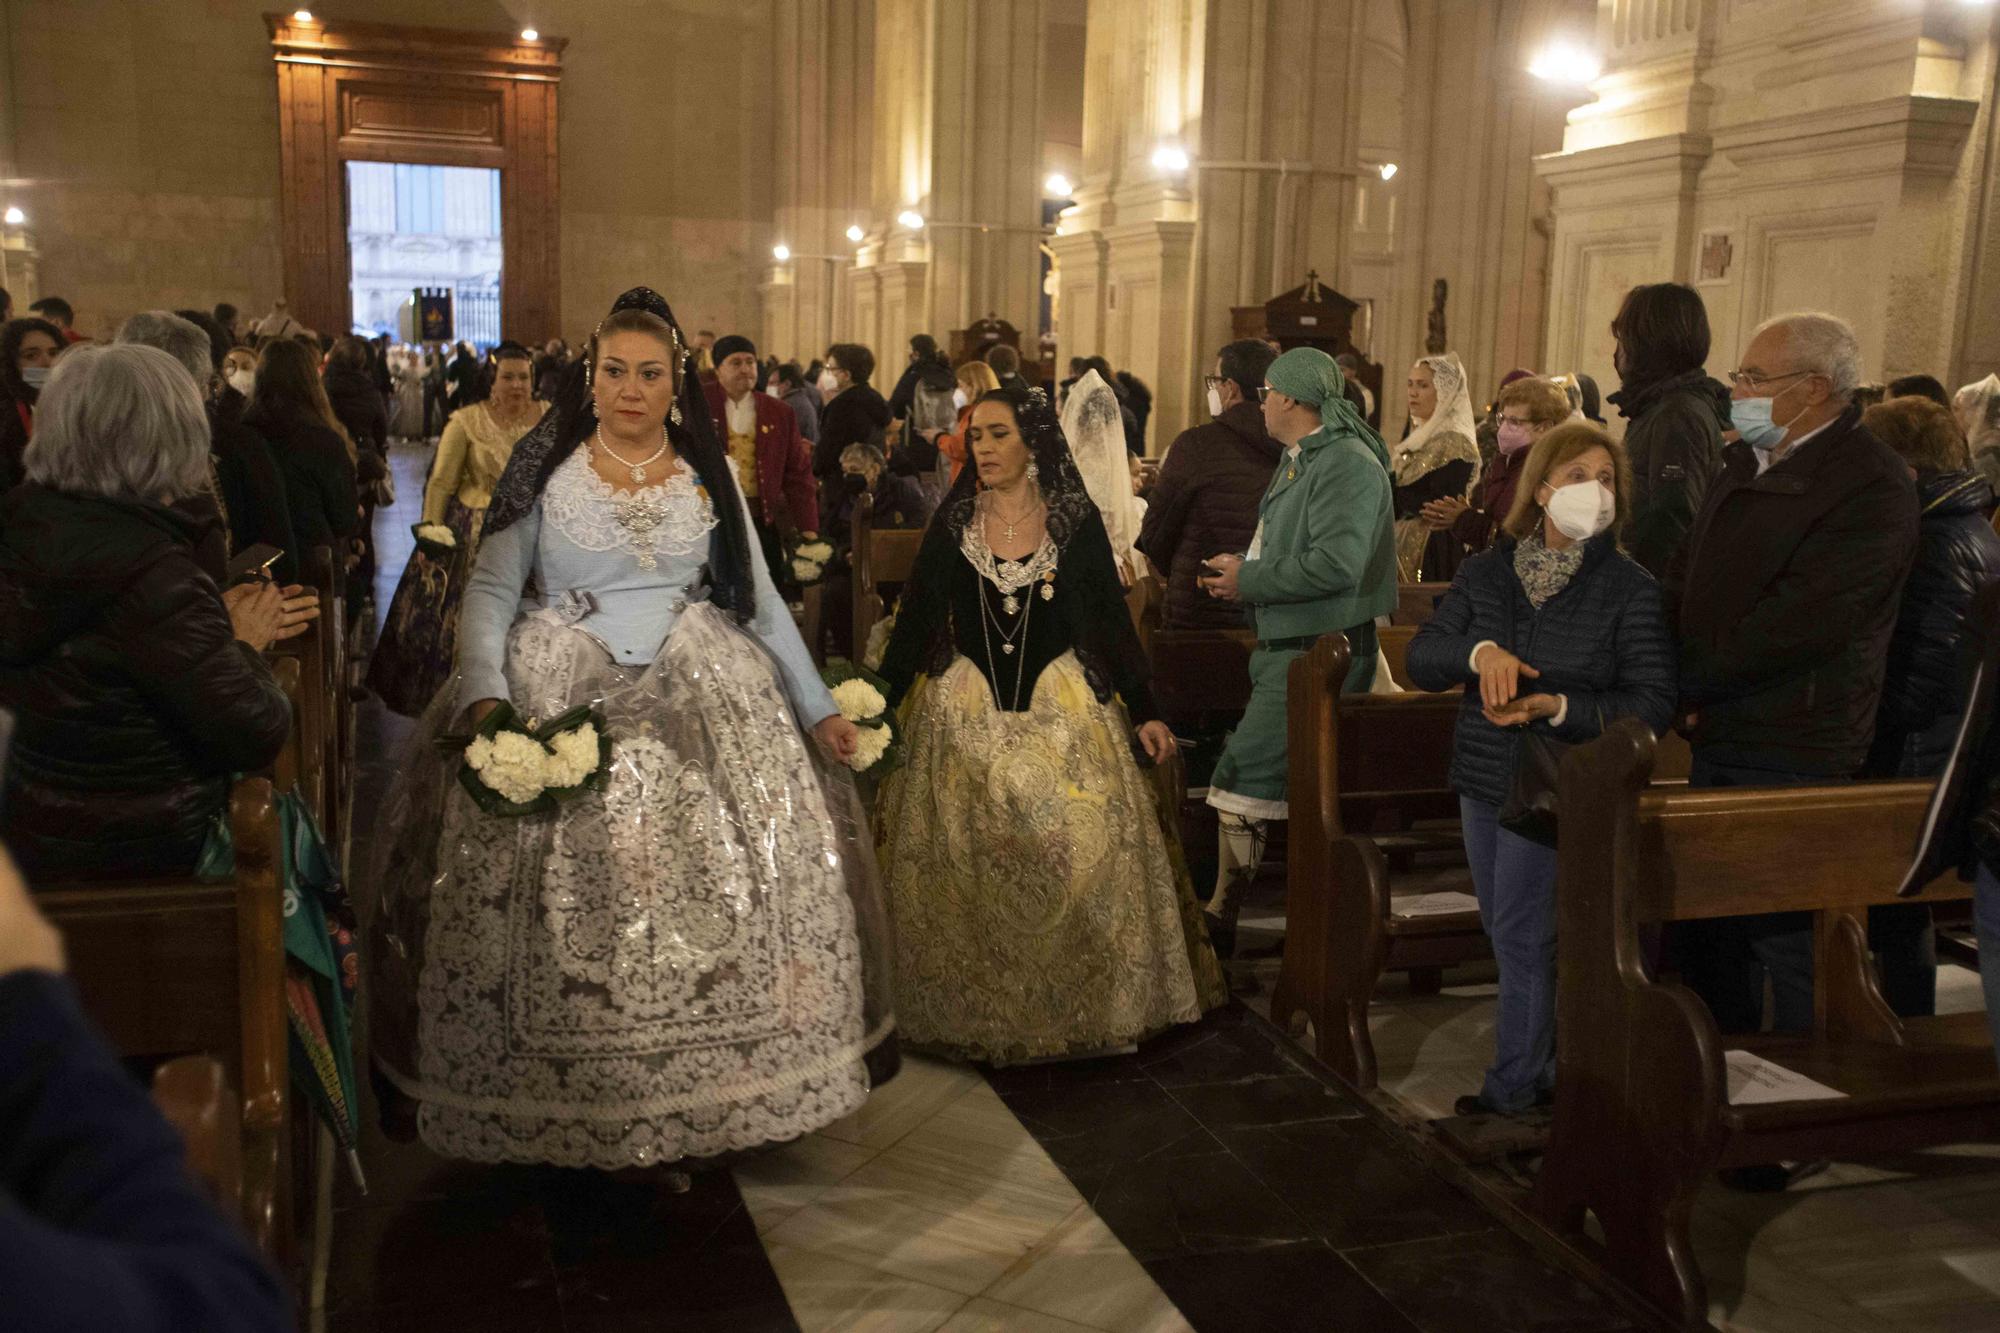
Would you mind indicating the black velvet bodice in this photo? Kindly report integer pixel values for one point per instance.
(940, 617)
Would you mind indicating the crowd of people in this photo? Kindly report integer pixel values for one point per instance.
(720, 939)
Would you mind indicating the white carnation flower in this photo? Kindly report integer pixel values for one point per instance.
(878, 642)
(816, 551)
(805, 571)
(858, 700)
(514, 765)
(437, 534)
(479, 753)
(869, 747)
(575, 755)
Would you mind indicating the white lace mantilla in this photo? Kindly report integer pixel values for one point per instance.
(1007, 575)
(664, 522)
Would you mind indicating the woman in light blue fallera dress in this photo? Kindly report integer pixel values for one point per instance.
(692, 962)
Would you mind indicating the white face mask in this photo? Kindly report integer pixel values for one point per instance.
(958, 399)
(243, 381)
(1582, 509)
(34, 376)
(827, 383)
(1214, 402)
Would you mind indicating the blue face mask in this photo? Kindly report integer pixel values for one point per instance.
(1752, 419)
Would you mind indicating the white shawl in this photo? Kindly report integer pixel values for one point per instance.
(1095, 429)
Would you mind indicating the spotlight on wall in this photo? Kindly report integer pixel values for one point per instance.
(1057, 186)
(854, 233)
(530, 35)
(781, 252)
(911, 219)
(1562, 62)
(1170, 157)
(1388, 170)
(13, 217)
(302, 16)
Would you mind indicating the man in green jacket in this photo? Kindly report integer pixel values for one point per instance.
(1323, 560)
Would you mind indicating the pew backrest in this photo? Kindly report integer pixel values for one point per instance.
(875, 557)
(1200, 675)
(1416, 601)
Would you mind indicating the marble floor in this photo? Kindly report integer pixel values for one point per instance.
(1910, 1242)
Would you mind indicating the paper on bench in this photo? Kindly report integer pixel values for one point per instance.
(1753, 1079)
(1432, 904)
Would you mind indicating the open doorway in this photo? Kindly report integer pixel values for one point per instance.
(412, 225)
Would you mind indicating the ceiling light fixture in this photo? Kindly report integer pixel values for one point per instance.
(1562, 62)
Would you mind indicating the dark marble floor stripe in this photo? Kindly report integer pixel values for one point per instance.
(1260, 1195)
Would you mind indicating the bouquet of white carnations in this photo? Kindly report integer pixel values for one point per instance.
(808, 556)
(434, 539)
(514, 768)
(863, 699)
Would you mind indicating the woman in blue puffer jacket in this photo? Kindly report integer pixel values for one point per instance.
(1552, 629)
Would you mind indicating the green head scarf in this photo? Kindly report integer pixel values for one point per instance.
(1312, 377)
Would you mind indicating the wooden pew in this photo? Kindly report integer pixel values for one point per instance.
(876, 558)
(194, 1094)
(1363, 767)
(1395, 642)
(1642, 1114)
(1416, 601)
(173, 967)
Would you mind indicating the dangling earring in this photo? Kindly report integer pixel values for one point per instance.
(1034, 471)
(674, 412)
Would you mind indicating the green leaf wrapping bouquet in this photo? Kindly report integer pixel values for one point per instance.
(863, 699)
(512, 768)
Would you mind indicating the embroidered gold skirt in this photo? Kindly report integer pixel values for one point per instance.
(1039, 906)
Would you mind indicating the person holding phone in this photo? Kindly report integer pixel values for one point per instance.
(1322, 560)
(138, 686)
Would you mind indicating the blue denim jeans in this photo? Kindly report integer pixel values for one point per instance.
(1986, 921)
(1516, 883)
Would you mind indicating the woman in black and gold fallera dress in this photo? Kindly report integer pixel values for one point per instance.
(1040, 904)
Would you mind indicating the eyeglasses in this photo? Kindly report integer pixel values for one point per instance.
(1211, 381)
(1757, 379)
(1525, 423)
(1264, 391)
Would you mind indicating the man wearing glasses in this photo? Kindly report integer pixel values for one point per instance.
(1786, 593)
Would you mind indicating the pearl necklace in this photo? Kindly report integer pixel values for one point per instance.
(638, 470)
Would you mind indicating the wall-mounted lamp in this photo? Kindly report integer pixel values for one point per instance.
(911, 219)
(1057, 186)
(1387, 170)
(781, 252)
(302, 16)
(13, 217)
(1171, 157)
(855, 234)
(530, 35)
(1566, 63)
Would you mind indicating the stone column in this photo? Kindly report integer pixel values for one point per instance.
(1838, 165)
(823, 55)
(957, 141)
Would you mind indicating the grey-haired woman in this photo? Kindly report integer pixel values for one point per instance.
(136, 684)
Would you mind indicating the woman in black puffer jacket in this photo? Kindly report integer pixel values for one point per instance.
(1923, 690)
(1553, 629)
(137, 686)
